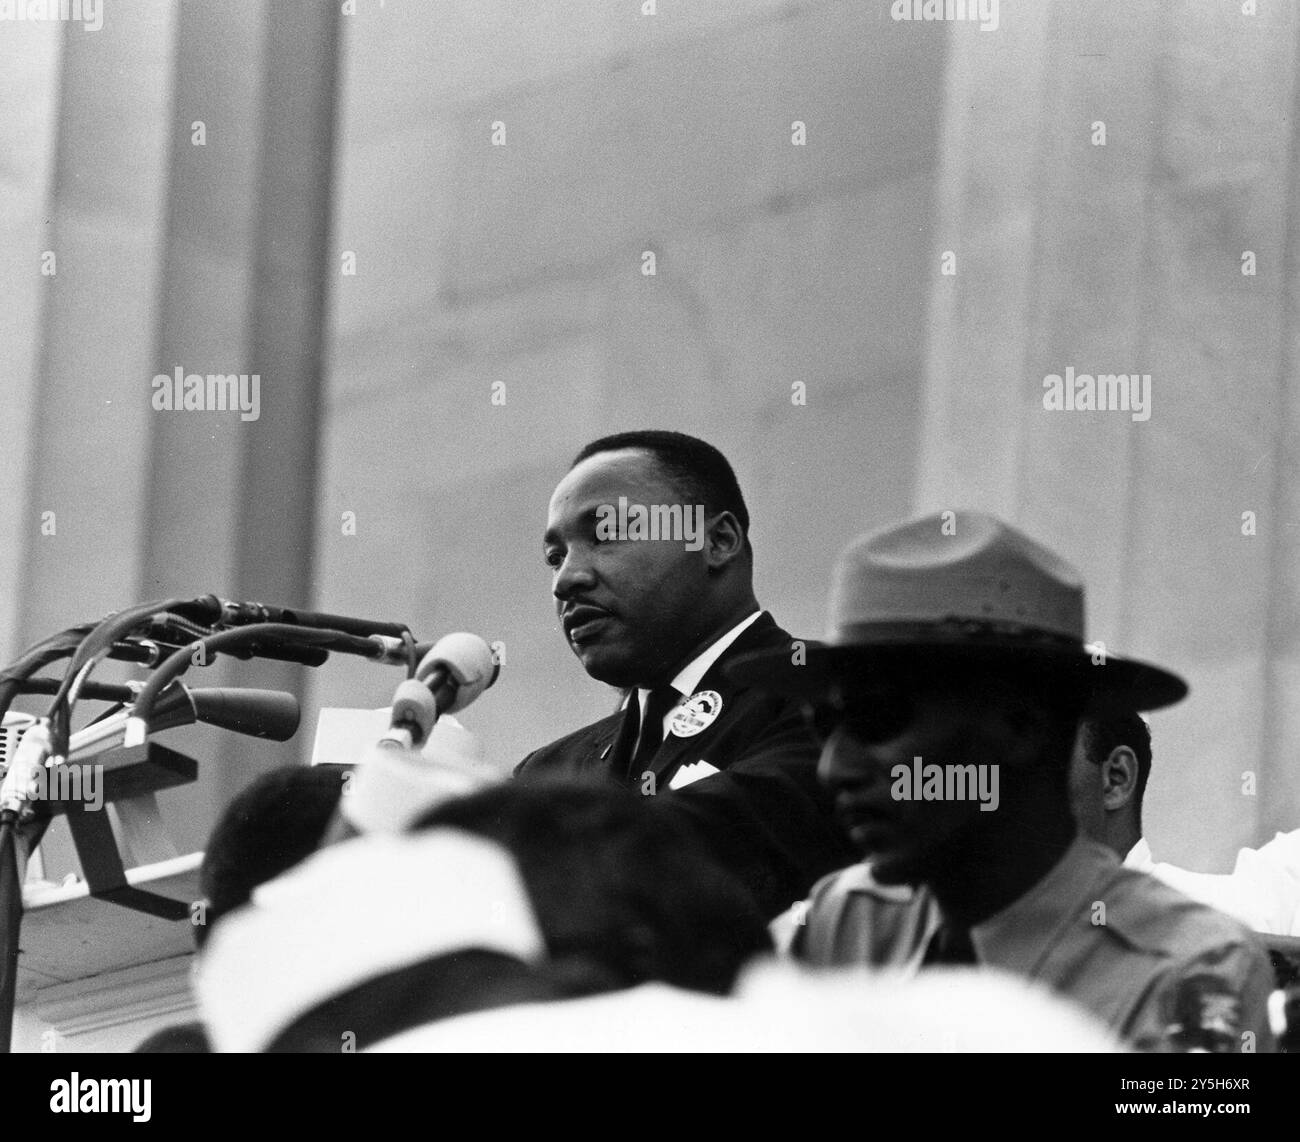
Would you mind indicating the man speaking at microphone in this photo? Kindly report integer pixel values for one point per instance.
(652, 574)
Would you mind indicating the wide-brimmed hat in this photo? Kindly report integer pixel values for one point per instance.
(953, 591)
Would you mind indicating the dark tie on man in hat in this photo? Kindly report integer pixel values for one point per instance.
(947, 698)
(660, 616)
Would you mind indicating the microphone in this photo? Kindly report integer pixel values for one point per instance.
(259, 638)
(462, 662)
(270, 714)
(401, 777)
(455, 671)
(222, 612)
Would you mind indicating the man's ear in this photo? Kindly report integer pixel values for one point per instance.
(1119, 776)
(724, 541)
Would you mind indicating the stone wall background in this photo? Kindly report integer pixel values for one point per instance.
(776, 264)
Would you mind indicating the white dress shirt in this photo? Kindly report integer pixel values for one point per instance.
(688, 677)
(1262, 891)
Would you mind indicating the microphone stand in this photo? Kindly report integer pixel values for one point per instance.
(11, 917)
(62, 645)
(14, 680)
(101, 861)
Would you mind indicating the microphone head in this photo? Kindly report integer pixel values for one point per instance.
(270, 714)
(467, 660)
(415, 708)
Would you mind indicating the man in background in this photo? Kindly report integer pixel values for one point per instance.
(1109, 769)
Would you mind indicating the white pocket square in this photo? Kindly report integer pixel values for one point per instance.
(693, 772)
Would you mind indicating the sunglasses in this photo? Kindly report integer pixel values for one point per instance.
(874, 715)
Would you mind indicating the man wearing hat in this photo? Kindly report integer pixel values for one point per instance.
(948, 700)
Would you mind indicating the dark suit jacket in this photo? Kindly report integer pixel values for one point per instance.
(765, 815)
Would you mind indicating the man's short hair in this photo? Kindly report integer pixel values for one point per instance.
(1101, 735)
(276, 821)
(699, 470)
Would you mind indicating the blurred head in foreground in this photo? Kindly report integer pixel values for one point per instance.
(623, 893)
(370, 937)
(283, 816)
(780, 1008)
(275, 822)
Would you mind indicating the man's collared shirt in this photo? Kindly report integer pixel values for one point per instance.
(1115, 941)
(1262, 891)
(688, 677)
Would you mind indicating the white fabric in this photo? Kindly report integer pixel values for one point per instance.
(350, 913)
(1263, 889)
(689, 774)
(782, 1008)
(393, 787)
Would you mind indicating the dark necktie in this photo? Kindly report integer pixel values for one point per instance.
(661, 700)
(949, 945)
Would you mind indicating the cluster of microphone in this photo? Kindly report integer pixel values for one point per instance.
(170, 637)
